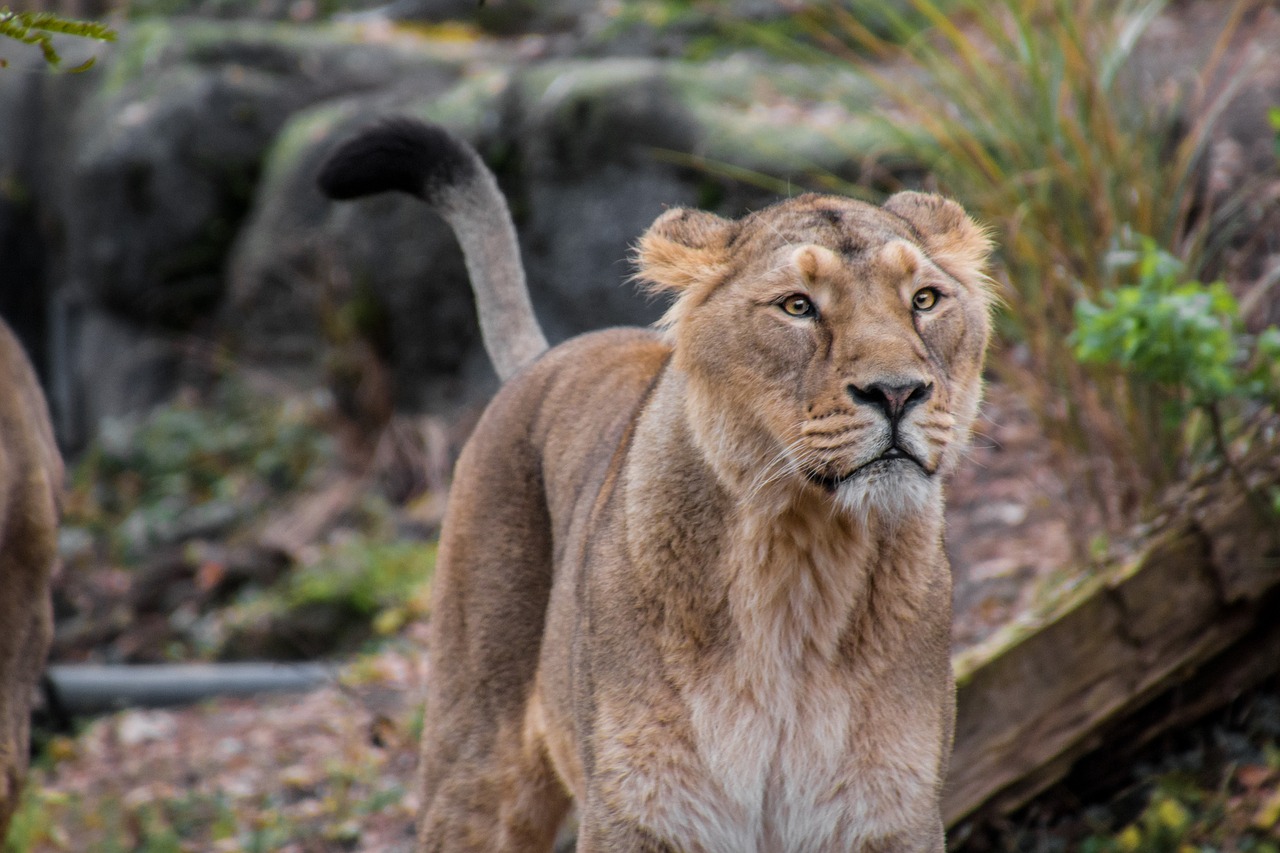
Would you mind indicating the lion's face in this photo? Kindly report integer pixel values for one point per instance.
(830, 346)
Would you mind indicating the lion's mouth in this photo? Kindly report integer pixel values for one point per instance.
(894, 456)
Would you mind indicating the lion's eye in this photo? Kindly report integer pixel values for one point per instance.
(925, 299)
(798, 305)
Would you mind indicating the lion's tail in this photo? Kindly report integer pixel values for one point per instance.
(428, 162)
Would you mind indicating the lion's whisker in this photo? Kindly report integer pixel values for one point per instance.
(769, 475)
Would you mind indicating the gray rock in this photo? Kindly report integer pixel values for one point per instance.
(303, 267)
(585, 136)
(167, 162)
(123, 366)
(36, 110)
(158, 172)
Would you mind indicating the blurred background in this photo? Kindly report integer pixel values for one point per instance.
(261, 394)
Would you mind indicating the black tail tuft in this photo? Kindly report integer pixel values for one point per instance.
(398, 154)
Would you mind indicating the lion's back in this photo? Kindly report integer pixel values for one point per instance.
(30, 479)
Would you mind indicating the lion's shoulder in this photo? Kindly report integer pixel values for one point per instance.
(606, 368)
(582, 394)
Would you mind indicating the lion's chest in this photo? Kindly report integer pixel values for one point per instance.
(793, 766)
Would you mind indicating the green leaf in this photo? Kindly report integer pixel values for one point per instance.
(36, 28)
(1179, 334)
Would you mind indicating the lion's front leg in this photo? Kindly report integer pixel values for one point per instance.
(598, 832)
(936, 839)
(502, 801)
(931, 838)
(26, 615)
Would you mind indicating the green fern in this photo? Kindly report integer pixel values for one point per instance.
(38, 28)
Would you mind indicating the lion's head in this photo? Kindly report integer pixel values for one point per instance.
(828, 344)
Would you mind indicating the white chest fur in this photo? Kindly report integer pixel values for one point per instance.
(802, 767)
(793, 747)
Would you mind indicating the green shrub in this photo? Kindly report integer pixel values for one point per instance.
(1183, 348)
(377, 582)
(1181, 816)
(357, 589)
(191, 468)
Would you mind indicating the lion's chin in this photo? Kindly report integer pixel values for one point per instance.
(889, 489)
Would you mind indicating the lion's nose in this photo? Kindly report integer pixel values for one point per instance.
(894, 400)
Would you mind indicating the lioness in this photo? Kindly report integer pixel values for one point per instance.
(30, 482)
(693, 577)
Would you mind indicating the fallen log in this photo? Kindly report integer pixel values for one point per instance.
(1197, 607)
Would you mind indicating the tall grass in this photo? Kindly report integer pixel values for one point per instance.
(1032, 114)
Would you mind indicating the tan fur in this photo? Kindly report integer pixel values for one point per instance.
(30, 480)
(663, 592)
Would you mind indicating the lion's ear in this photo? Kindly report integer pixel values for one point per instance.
(953, 240)
(682, 248)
